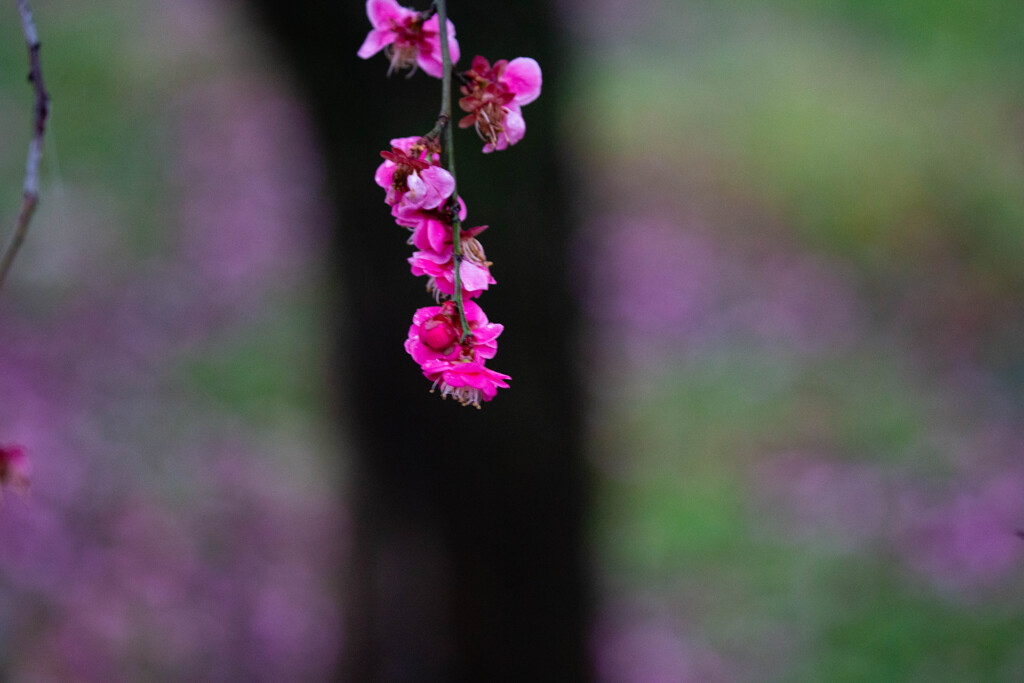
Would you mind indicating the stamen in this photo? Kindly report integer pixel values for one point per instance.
(464, 395)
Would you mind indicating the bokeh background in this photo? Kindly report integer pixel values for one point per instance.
(803, 345)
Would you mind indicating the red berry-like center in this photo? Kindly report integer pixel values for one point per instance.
(438, 333)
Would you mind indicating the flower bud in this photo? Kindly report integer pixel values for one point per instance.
(438, 332)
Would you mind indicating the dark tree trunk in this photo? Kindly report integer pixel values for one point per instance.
(470, 560)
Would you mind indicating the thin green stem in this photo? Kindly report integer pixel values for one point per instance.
(448, 160)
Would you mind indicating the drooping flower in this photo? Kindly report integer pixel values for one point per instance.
(14, 467)
(454, 365)
(474, 273)
(408, 38)
(468, 382)
(493, 98)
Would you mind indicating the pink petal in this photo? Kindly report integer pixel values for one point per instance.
(523, 77)
(488, 332)
(474, 314)
(440, 179)
(374, 42)
(430, 60)
(427, 188)
(405, 144)
(422, 314)
(429, 257)
(380, 11)
(515, 129)
(431, 65)
(453, 44)
(385, 174)
(474, 278)
(437, 235)
(515, 125)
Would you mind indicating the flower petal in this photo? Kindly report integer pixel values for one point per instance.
(374, 42)
(453, 44)
(515, 125)
(474, 278)
(437, 235)
(430, 60)
(385, 174)
(381, 11)
(440, 180)
(405, 144)
(431, 65)
(523, 77)
(474, 314)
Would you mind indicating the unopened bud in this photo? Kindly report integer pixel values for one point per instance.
(438, 333)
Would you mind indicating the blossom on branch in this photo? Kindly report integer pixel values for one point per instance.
(456, 366)
(411, 176)
(436, 330)
(408, 38)
(450, 341)
(493, 97)
(432, 230)
(474, 271)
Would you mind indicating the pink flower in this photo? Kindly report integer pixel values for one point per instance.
(468, 382)
(14, 467)
(456, 366)
(407, 38)
(411, 177)
(432, 230)
(474, 273)
(427, 189)
(435, 332)
(494, 96)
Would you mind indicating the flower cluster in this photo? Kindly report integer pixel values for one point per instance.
(419, 193)
(455, 363)
(452, 340)
(14, 468)
(450, 353)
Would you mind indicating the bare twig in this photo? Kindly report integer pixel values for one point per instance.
(30, 194)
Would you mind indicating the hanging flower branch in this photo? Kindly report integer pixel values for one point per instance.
(453, 340)
(30, 193)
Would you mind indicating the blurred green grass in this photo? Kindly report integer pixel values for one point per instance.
(874, 152)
